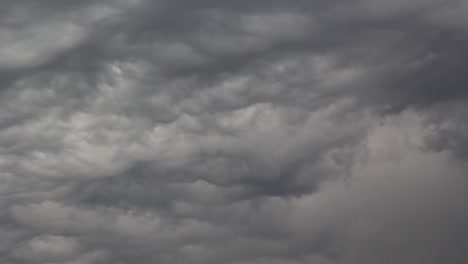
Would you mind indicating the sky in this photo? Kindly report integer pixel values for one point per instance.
(233, 132)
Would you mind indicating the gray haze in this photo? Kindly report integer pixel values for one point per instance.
(233, 132)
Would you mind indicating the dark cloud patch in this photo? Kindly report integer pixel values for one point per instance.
(232, 132)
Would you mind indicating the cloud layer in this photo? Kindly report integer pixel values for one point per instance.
(233, 132)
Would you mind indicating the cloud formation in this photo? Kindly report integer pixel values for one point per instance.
(233, 132)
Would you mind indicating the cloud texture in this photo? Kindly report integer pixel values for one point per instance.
(243, 132)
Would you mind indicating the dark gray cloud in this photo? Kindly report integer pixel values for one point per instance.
(233, 132)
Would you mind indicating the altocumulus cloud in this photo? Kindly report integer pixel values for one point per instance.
(246, 132)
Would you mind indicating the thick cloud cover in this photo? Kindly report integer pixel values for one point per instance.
(246, 132)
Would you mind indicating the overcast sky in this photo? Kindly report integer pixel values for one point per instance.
(233, 132)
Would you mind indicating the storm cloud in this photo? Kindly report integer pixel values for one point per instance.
(243, 132)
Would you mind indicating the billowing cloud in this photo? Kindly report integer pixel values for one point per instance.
(233, 132)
